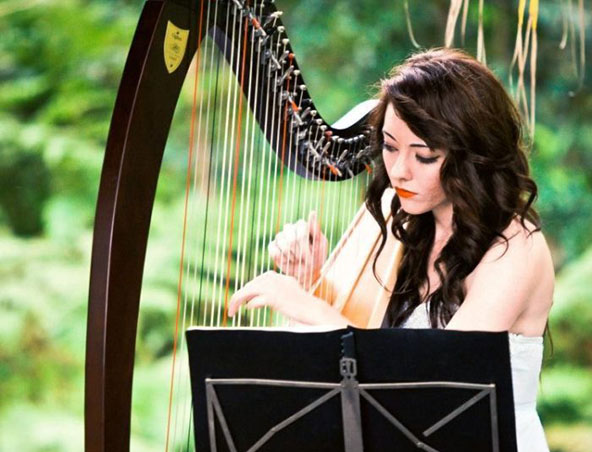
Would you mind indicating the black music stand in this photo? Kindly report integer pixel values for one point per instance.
(351, 390)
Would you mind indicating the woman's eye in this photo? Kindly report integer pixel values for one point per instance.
(389, 148)
(426, 160)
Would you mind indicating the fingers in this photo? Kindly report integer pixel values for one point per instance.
(243, 296)
(302, 239)
(278, 292)
(314, 228)
(300, 249)
(257, 302)
(278, 255)
(256, 293)
(294, 237)
(291, 246)
(319, 243)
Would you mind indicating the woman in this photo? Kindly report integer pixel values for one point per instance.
(474, 256)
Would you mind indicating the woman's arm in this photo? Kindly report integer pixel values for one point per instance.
(299, 251)
(285, 295)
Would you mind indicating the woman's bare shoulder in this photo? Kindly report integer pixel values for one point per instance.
(520, 259)
(522, 241)
(512, 286)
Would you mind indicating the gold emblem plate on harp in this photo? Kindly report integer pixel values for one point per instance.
(175, 44)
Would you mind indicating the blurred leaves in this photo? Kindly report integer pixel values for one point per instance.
(24, 181)
(562, 166)
(563, 389)
(60, 63)
(569, 438)
(41, 319)
(572, 314)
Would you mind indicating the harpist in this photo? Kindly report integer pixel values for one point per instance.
(452, 147)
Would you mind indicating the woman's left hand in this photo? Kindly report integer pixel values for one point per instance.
(285, 295)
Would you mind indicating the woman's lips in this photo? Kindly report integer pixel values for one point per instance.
(404, 193)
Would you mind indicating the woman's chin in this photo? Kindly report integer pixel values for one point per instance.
(412, 211)
(412, 208)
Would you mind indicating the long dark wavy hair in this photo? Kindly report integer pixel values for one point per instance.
(453, 102)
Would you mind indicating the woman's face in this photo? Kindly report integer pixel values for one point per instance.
(413, 168)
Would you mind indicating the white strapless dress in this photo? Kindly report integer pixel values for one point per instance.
(526, 357)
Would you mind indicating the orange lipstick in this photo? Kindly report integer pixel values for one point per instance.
(404, 193)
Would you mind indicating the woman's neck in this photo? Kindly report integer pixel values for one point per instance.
(443, 222)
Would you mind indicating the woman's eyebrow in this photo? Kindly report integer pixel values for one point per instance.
(413, 145)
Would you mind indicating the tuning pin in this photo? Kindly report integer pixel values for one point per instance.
(285, 75)
(313, 151)
(271, 18)
(298, 122)
(255, 22)
(305, 113)
(334, 170)
(262, 42)
(342, 155)
(366, 150)
(284, 56)
(238, 4)
(274, 63)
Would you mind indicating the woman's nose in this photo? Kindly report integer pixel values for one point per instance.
(400, 169)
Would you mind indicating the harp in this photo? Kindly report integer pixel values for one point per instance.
(270, 96)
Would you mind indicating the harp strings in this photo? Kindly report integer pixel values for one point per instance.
(212, 68)
(241, 188)
(227, 169)
(275, 170)
(245, 242)
(237, 141)
(175, 365)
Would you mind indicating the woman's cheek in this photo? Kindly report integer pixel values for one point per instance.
(389, 160)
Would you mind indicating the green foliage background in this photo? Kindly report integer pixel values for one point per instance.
(60, 64)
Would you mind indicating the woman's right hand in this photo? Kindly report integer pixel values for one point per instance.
(300, 250)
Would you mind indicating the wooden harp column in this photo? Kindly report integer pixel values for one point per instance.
(141, 120)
